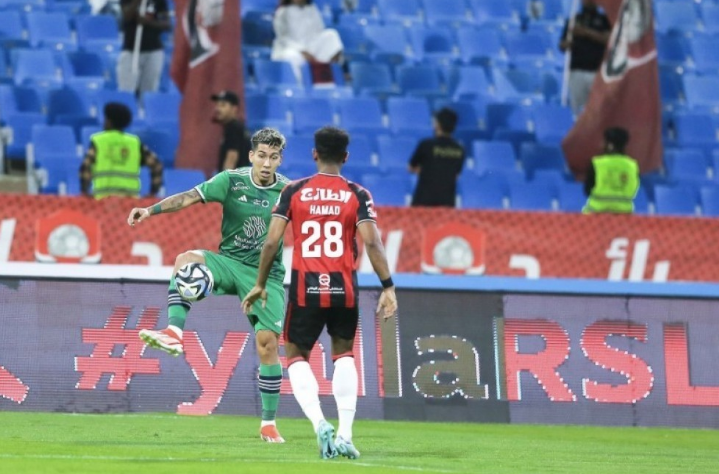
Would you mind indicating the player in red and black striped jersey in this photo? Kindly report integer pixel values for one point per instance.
(326, 212)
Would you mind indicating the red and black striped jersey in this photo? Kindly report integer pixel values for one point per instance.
(324, 211)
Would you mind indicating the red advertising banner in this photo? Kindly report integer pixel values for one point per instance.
(614, 247)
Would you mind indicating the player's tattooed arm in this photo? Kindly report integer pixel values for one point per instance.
(169, 204)
(177, 202)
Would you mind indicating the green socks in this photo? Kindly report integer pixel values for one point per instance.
(270, 380)
(177, 308)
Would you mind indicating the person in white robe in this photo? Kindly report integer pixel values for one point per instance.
(301, 36)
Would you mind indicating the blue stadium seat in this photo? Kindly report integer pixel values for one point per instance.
(505, 89)
(531, 46)
(701, 91)
(299, 170)
(360, 157)
(66, 102)
(388, 190)
(258, 5)
(672, 49)
(409, 116)
(710, 200)
(705, 53)
(395, 152)
(98, 30)
(526, 82)
(710, 17)
(485, 192)
(571, 197)
(21, 125)
(356, 47)
(695, 130)
(433, 45)
(372, 79)
(676, 200)
(422, 80)
(162, 142)
(161, 109)
(15, 99)
(77, 122)
(180, 180)
(50, 30)
(11, 28)
(676, 16)
(257, 34)
(86, 71)
(515, 137)
(508, 116)
(550, 178)
(535, 156)
(388, 43)
(53, 147)
(37, 67)
(670, 86)
(492, 155)
(479, 45)
(86, 132)
(552, 123)
(530, 197)
(686, 164)
(469, 82)
(266, 110)
(492, 11)
(311, 114)
(361, 115)
(446, 12)
(298, 152)
(641, 201)
(401, 11)
(276, 76)
(71, 8)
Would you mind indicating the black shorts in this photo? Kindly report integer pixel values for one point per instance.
(304, 324)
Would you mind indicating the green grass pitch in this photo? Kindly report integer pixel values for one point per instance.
(161, 443)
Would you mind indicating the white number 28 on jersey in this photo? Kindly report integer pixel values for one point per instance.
(332, 247)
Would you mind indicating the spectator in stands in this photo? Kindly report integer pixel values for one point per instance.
(301, 37)
(612, 181)
(154, 21)
(235, 146)
(113, 159)
(586, 43)
(438, 161)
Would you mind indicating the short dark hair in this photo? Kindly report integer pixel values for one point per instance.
(119, 115)
(331, 144)
(447, 119)
(618, 137)
(270, 137)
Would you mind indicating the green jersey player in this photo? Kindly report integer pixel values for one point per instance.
(247, 196)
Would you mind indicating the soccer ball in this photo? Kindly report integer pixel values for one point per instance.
(194, 281)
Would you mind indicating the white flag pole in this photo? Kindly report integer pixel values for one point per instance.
(136, 49)
(568, 53)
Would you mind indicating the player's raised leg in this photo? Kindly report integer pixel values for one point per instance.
(170, 338)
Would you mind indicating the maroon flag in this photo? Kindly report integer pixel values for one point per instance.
(625, 92)
(206, 60)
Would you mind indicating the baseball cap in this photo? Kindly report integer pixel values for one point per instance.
(227, 96)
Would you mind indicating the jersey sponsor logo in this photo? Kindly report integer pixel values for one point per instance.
(321, 194)
(240, 187)
(324, 280)
(242, 198)
(261, 202)
(316, 210)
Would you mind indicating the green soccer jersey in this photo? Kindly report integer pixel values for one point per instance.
(246, 214)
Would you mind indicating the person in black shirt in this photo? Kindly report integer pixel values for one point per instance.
(235, 146)
(438, 161)
(152, 56)
(587, 42)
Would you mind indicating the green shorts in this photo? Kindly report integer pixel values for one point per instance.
(234, 278)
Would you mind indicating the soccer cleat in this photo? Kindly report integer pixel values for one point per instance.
(346, 448)
(325, 436)
(270, 434)
(165, 340)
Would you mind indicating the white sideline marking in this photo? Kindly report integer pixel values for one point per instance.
(89, 457)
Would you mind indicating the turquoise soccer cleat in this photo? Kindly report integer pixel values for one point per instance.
(346, 448)
(325, 435)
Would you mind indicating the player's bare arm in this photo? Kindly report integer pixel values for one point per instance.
(387, 305)
(275, 234)
(173, 203)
